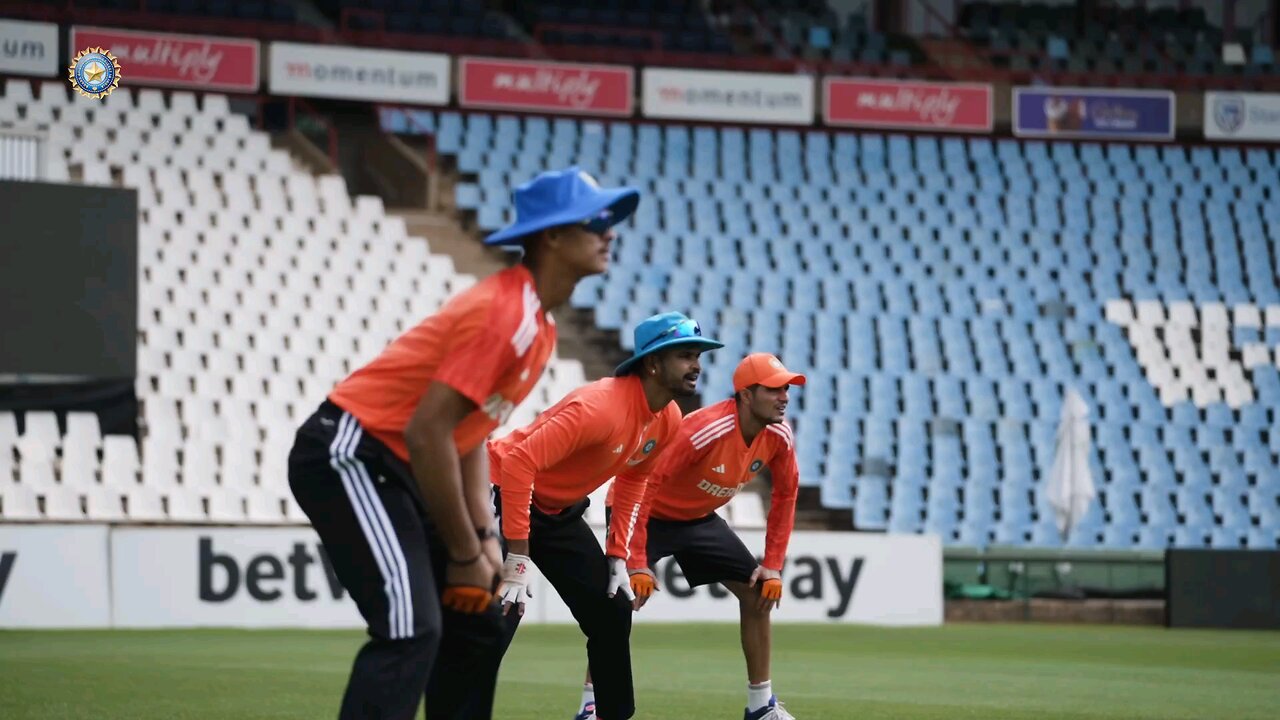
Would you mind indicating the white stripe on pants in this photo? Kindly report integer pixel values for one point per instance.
(377, 528)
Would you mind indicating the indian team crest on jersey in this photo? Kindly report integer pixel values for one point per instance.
(756, 465)
(648, 448)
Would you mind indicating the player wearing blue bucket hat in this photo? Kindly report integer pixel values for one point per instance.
(568, 197)
(419, 553)
(545, 472)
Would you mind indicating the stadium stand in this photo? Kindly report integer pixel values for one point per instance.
(945, 294)
(1134, 40)
(260, 285)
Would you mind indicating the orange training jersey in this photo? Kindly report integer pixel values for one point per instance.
(489, 343)
(708, 463)
(596, 432)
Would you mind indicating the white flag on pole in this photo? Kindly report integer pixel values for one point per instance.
(1071, 481)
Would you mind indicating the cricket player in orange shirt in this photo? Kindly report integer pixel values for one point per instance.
(718, 450)
(617, 426)
(391, 468)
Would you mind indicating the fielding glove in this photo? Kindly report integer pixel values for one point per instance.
(514, 589)
(466, 599)
(618, 579)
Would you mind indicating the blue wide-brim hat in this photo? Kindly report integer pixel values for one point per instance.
(564, 197)
(663, 331)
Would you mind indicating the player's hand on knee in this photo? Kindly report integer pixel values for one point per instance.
(644, 584)
(619, 580)
(514, 589)
(770, 582)
(467, 599)
(469, 585)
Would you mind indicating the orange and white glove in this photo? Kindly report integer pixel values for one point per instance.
(770, 582)
(467, 599)
(644, 585)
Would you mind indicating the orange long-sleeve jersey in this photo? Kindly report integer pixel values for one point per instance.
(707, 464)
(490, 343)
(596, 432)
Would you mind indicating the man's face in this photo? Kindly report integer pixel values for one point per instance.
(677, 370)
(583, 250)
(768, 405)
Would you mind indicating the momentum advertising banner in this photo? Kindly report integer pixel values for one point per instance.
(906, 105)
(200, 62)
(54, 576)
(728, 96)
(546, 86)
(95, 576)
(351, 73)
(29, 48)
(1242, 116)
(1092, 113)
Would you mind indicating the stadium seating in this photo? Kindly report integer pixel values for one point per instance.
(259, 287)
(1135, 40)
(943, 294)
(677, 25)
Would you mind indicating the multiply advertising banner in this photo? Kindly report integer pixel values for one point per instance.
(1242, 116)
(1091, 113)
(199, 62)
(95, 576)
(728, 96)
(29, 48)
(546, 86)
(907, 105)
(350, 73)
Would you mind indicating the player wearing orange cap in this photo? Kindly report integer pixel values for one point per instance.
(616, 427)
(718, 450)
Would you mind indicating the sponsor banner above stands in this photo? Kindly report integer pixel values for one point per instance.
(1091, 113)
(200, 62)
(1242, 116)
(728, 96)
(230, 577)
(54, 576)
(907, 105)
(546, 86)
(29, 48)
(351, 73)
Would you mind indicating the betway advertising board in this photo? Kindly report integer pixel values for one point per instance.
(1242, 116)
(504, 84)
(907, 105)
(829, 577)
(728, 96)
(199, 62)
(29, 48)
(95, 576)
(54, 576)
(350, 73)
(228, 577)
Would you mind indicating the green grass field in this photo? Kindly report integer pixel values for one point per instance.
(957, 671)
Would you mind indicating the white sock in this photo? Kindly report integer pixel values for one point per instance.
(758, 695)
(588, 694)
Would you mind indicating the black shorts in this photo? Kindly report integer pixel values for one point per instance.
(707, 549)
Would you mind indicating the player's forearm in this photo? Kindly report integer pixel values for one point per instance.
(477, 488)
(437, 470)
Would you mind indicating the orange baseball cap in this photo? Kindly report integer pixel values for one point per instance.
(763, 369)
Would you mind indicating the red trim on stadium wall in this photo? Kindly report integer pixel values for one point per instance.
(198, 62)
(904, 105)
(546, 86)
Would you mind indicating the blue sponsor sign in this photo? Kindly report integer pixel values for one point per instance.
(1091, 113)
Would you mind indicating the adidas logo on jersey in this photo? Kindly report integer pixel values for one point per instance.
(718, 468)
(617, 450)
